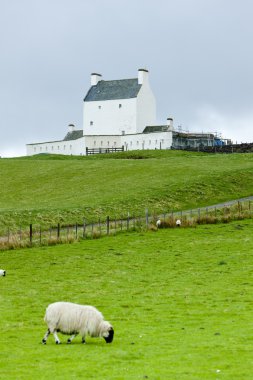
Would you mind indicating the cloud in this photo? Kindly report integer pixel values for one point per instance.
(238, 128)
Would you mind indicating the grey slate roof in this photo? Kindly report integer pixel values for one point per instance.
(113, 89)
(156, 128)
(73, 135)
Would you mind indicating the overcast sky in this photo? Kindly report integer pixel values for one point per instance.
(198, 52)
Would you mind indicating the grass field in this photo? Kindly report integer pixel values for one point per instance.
(180, 301)
(59, 189)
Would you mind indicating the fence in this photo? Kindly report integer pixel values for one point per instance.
(90, 151)
(35, 235)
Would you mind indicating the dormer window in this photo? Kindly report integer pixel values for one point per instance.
(91, 122)
(120, 105)
(99, 107)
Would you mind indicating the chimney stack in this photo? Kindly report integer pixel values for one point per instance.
(95, 78)
(142, 76)
(170, 123)
(71, 127)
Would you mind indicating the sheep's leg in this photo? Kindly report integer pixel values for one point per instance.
(57, 340)
(71, 338)
(44, 340)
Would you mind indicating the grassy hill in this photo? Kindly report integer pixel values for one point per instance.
(180, 301)
(50, 189)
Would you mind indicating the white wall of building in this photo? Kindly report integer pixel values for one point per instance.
(110, 117)
(105, 141)
(139, 141)
(145, 107)
(155, 140)
(72, 147)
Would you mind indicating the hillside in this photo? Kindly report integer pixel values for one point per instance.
(50, 189)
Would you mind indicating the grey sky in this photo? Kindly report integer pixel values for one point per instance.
(198, 52)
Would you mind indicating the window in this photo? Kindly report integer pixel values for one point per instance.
(91, 122)
(94, 143)
(137, 143)
(149, 142)
(52, 148)
(99, 107)
(120, 105)
(131, 143)
(64, 147)
(101, 143)
(58, 147)
(70, 147)
(123, 133)
(34, 149)
(108, 143)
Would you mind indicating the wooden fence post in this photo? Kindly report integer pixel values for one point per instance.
(107, 225)
(84, 228)
(31, 233)
(76, 230)
(58, 231)
(146, 215)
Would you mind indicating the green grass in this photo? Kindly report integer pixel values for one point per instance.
(180, 301)
(51, 189)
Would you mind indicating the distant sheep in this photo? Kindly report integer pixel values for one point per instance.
(2, 272)
(72, 319)
(158, 223)
(178, 223)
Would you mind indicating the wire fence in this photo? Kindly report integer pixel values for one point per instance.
(37, 235)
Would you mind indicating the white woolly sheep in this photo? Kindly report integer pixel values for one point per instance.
(158, 223)
(178, 223)
(2, 272)
(72, 319)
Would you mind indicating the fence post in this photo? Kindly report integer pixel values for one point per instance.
(107, 225)
(146, 215)
(58, 231)
(84, 228)
(99, 226)
(239, 208)
(31, 233)
(40, 235)
(128, 221)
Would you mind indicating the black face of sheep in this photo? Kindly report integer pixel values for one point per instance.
(109, 338)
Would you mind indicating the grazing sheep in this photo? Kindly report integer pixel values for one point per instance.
(158, 223)
(2, 272)
(72, 319)
(178, 223)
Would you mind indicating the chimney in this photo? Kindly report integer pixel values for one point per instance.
(170, 123)
(71, 127)
(95, 78)
(142, 76)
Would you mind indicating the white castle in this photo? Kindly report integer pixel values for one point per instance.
(117, 115)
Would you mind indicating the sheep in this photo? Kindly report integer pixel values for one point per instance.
(71, 319)
(158, 223)
(178, 223)
(2, 272)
